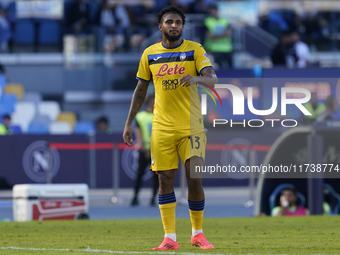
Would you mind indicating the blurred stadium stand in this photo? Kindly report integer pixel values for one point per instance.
(15, 130)
(84, 127)
(7, 104)
(42, 119)
(16, 89)
(37, 128)
(24, 33)
(68, 117)
(49, 108)
(49, 33)
(60, 128)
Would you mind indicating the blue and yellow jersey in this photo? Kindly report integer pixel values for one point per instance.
(175, 107)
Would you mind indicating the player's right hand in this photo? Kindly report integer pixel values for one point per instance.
(127, 135)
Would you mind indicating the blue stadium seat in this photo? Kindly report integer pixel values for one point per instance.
(42, 119)
(16, 130)
(274, 198)
(67, 5)
(49, 32)
(7, 103)
(84, 127)
(24, 32)
(11, 11)
(37, 128)
(3, 81)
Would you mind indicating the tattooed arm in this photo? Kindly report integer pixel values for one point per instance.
(136, 103)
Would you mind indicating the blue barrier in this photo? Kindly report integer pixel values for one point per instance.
(24, 159)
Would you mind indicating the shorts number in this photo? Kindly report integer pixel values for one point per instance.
(197, 141)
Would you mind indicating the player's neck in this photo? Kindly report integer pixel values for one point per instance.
(171, 44)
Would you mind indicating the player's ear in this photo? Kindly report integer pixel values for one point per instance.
(160, 26)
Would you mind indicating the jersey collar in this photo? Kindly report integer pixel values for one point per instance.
(180, 43)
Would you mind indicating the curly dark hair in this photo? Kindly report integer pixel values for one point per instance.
(170, 9)
(290, 189)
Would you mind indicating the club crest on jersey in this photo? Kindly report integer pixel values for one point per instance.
(165, 70)
(183, 56)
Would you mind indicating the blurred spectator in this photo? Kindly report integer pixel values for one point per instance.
(5, 31)
(114, 23)
(288, 206)
(321, 29)
(273, 23)
(332, 106)
(331, 200)
(183, 4)
(159, 5)
(143, 136)
(277, 21)
(5, 126)
(314, 107)
(135, 41)
(141, 26)
(199, 6)
(114, 18)
(102, 126)
(218, 38)
(315, 27)
(79, 17)
(283, 52)
(301, 49)
(112, 43)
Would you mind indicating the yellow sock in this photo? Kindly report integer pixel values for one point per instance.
(196, 219)
(168, 217)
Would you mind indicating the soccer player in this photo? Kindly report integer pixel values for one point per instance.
(176, 66)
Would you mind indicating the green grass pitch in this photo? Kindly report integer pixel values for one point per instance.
(261, 235)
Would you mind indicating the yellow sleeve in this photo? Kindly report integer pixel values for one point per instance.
(144, 72)
(201, 59)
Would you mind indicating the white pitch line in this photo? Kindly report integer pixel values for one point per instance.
(106, 251)
(122, 252)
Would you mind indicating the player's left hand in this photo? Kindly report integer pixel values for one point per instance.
(187, 80)
(127, 135)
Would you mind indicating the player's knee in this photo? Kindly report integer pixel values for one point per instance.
(165, 180)
(194, 184)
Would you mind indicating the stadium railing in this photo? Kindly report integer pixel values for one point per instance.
(115, 147)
